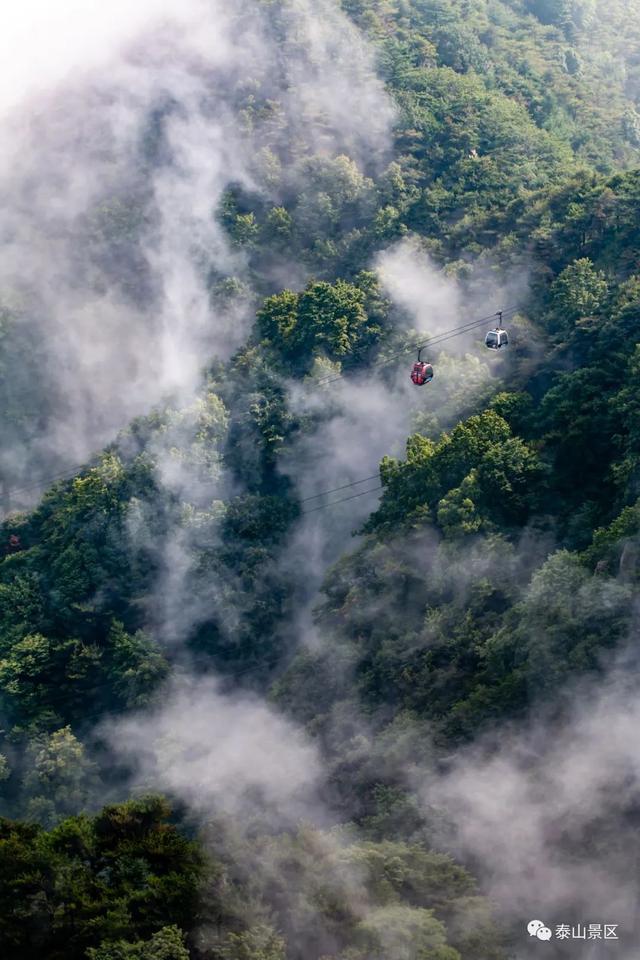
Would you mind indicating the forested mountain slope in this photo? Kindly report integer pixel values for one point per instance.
(362, 741)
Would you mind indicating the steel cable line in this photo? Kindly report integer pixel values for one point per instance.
(69, 474)
(104, 714)
(439, 338)
(64, 475)
(97, 687)
(434, 340)
(325, 493)
(446, 335)
(315, 496)
(354, 496)
(63, 699)
(72, 472)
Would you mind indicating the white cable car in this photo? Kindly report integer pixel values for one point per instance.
(497, 338)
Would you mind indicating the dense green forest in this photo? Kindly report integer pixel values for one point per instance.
(240, 723)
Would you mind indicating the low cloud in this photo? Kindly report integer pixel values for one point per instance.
(549, 811)
(110, 179)
(221, 753)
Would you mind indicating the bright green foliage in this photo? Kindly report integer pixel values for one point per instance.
(405, 933)
(82, 528)
(615, 548)
(278, 317)
(325, 319)
(41, 675)
(457, 514)
(166, 944)
(244, 229)
(400, 870)
(278, 226)
(260, 942)
(35, 663)
(58, 776)
(241, 224)
(137, 666)
(578, 292)
(331, 318)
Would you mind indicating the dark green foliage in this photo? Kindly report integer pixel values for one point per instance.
(471, 479)
(571, 15)
(91, 883)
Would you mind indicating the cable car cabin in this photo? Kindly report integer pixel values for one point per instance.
(422, 373)
(496, 339)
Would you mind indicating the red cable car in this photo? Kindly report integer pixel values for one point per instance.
(14, 544)
(422, 372)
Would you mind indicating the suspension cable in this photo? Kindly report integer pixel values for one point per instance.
(433, 341)
(354, 496)
(330, 378)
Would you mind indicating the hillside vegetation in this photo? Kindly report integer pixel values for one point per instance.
(501, 565)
